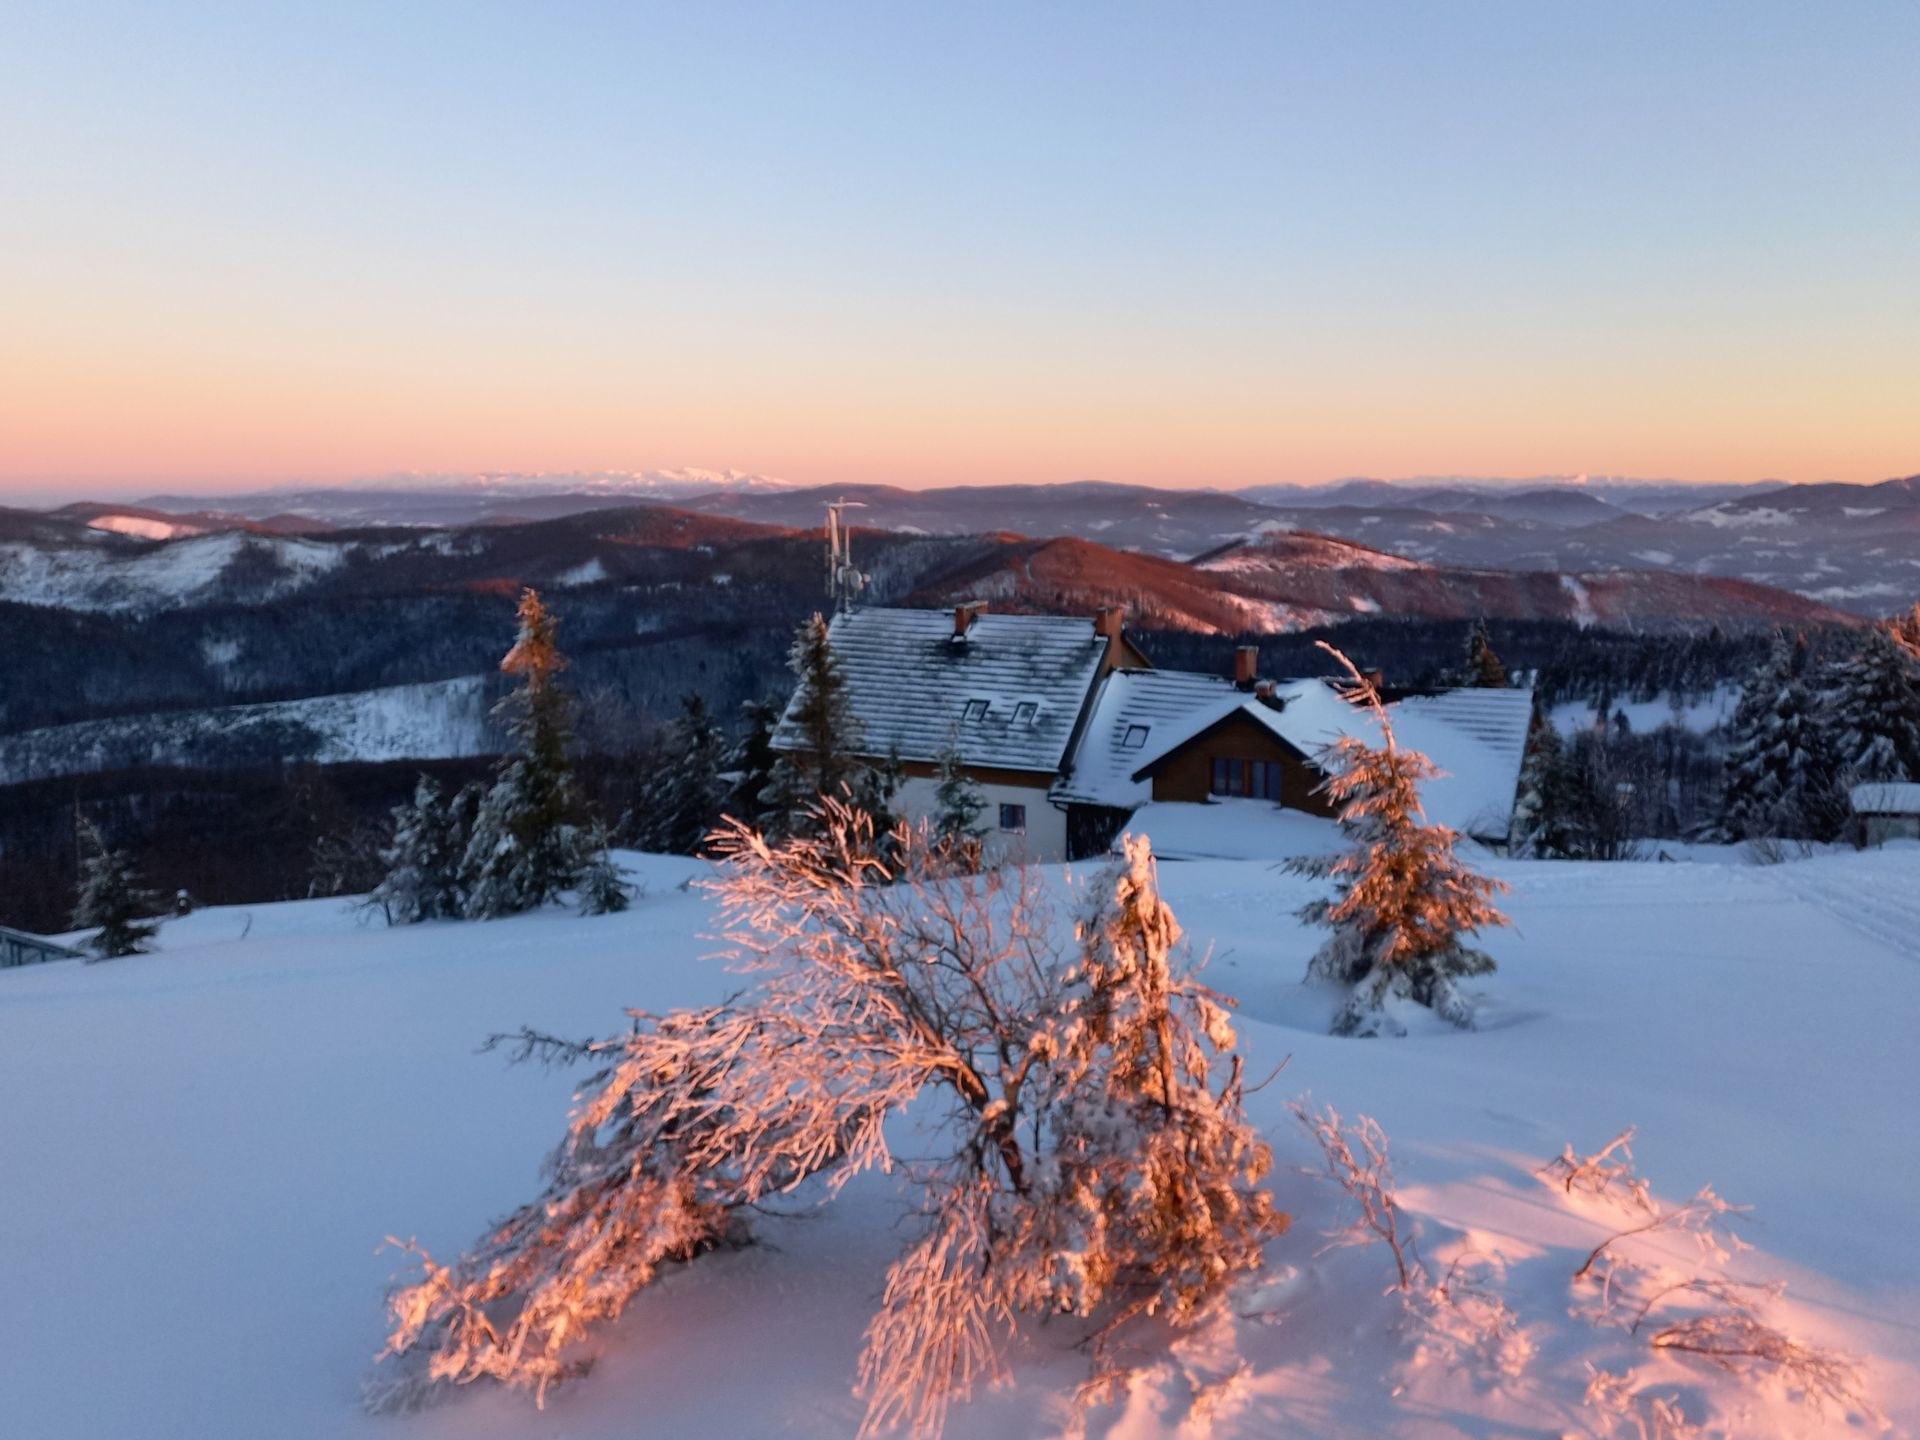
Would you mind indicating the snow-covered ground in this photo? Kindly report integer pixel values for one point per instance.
(204, 1147)
(1698, 713)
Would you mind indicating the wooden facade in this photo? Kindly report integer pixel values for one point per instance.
(1187, 773)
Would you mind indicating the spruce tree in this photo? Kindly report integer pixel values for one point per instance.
(823, 760)
(112, 899)
(686, 801)
(524, 849)
(1483, 670)
(1783, 780)
(602, 890)
(1742, 807)
(749, 765)
(1547, 809)
(422, 861)
(1403, 901)
(957, 807)
(1874, 712)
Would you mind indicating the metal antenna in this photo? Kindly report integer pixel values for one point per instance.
(844, 581)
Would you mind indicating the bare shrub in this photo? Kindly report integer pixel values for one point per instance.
(1711, 1316)
(1638, 1414)
(1599, 1173)
(1458, 1312)
(1739, 1341)
(1701, 1218)
(1086, 1163)
(1368, 1182)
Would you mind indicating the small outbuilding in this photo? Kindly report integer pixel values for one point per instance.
(17, 947)
(1887, 810)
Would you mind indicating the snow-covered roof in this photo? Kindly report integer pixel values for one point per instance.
(1134, 713)
(1009, 695)
(1232, 829)
(1886, 797)
(1477, 737)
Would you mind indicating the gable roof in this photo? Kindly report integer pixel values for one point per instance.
(1886, 797)
(1476, 737)
(909, 683)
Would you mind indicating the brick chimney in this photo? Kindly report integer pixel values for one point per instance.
(964, 614)
(1108, 623)
(1246, 666)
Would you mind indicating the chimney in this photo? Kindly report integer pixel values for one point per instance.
(1108, 623)
(964, 614)
(1246, 666)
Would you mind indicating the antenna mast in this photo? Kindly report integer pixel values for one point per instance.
(844, 580)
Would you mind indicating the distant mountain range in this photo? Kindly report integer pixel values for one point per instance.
(1266, 576)
(135, 636)
(1852, 546)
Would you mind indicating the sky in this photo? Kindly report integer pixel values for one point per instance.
(1196, 244)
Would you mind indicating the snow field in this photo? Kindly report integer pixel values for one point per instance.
(204, 1147)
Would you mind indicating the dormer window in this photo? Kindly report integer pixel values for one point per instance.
(975, 710)
(1135, 737)
(1024, 712)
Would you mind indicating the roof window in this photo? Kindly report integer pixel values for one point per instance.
(1135, 737)
(975, 710)
(1024, 712)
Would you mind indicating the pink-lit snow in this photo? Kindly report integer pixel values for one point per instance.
(204, 1147)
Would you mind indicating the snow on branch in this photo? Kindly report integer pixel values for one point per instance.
(1404, 903)
(1708, 1315)
(1600, 1172)
(1086, 1162)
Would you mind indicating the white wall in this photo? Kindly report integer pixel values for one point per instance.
(1045, 841)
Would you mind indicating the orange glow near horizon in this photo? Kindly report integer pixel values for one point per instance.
(1278, 243)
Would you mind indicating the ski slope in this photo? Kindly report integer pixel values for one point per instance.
(205, 1146)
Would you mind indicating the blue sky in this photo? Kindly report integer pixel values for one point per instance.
(1183, 244)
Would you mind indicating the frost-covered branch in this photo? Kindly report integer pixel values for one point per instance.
(1599, 1173)
(1699, 1217)
(1368, 1182)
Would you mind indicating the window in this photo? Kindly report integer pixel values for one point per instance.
(1023, 713)
(1135, 737)
(976, 710)
(1014, 818)
(1256, 779)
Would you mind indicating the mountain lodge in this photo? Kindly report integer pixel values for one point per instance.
(1070, 733)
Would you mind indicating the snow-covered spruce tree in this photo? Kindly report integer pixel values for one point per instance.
(602, 890)
(422, 860)
(748, 768)
(1546, 811)
(1742, 814)
(685, 802)
(113, 902)
(1403, 900)
(1482, 669)
(1873, 713)
(1783, 781)
(1079, 1158)
(825, 761)
(958, 804)
(524, 848)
